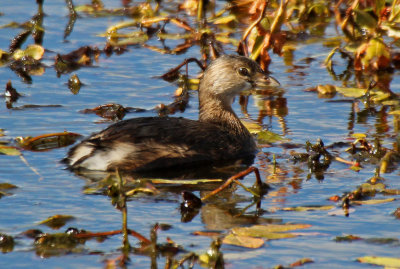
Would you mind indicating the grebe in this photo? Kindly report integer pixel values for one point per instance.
(151, 143)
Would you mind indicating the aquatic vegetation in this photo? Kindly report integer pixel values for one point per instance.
(351, 103)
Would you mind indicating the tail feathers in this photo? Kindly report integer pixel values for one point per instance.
(92, 155)
(79, 154)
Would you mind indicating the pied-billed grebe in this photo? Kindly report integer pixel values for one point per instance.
(150, 143)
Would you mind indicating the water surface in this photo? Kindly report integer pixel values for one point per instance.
(128, 79)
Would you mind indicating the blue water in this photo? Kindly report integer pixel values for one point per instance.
(128, 79)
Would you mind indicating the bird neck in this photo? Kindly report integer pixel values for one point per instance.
(220, 113)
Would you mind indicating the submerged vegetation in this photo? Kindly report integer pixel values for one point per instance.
(362, 39)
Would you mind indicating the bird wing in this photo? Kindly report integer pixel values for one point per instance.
(153, 143)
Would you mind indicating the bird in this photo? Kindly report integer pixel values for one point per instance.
(217, 138)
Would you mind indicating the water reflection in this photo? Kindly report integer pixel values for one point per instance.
(297, 115)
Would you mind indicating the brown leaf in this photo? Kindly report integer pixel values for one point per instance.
(48, 141)
(301, 262)
(108, 111)
(279, 40)
(7, 186)
(206, 233)
(360, 52)
(18, 40)
(265, 59)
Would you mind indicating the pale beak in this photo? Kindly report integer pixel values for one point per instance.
(262, 81)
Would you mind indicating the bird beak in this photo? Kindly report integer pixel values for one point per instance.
(262, 81)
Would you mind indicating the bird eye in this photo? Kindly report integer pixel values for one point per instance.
(243, 71)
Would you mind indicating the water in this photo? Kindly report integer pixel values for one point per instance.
(128, 80)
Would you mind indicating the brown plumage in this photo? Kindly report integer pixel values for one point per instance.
(150, 143)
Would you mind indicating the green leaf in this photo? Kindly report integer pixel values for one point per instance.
(355, 168)
(378, 52)
(326, 89)
(227, 40)
(3, 57)
(58, 244)
(184, 181)
(392, 191)
(193, 84)
(359, 136)
(328, 60)
(309, 208)
(57, 221)
(379, 6)
(351, 92)
(6, 243)
(382, 261)
(347, 238)
(392, 29)
(390, 102)
(364, 19)
(368, 187)
(395, 12)
(131, 39)
(253, 127)
(243, 241)
(225, 20)
(379, 96)
(374, 201)
(264, 137)
(2, 193)
(319, 9)
(7, 186)
(34, 51)
(11, 151)
(270, 231)
(74, 84)
(140, 190)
